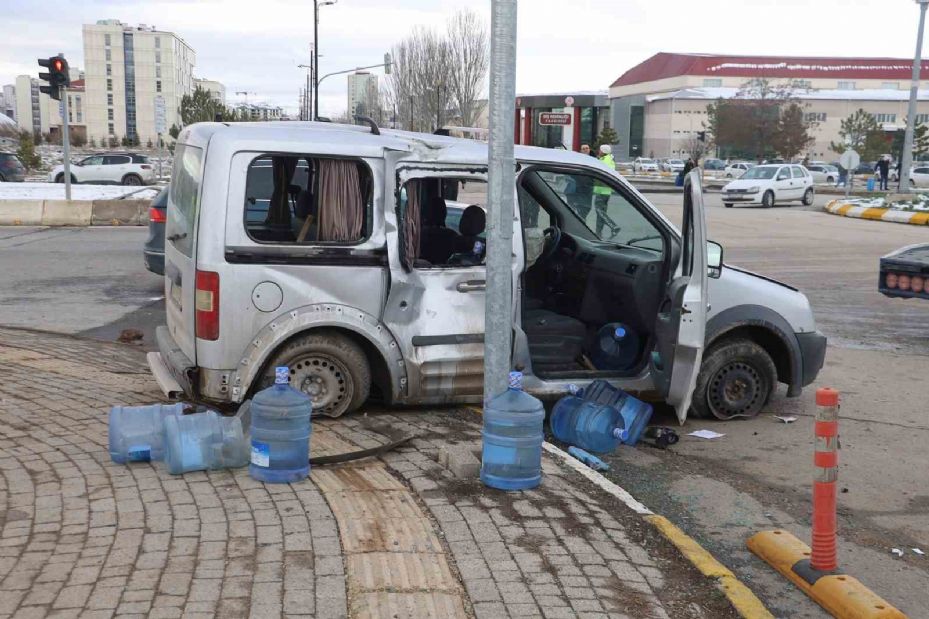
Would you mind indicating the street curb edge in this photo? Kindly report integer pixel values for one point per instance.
(845, 209)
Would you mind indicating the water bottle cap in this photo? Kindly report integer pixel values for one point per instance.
(573, 389)
(621, 433)
(619, 333)
(516, 380)
(281, 375)
(478, 247)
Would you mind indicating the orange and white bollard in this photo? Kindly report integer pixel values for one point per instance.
(826, 460)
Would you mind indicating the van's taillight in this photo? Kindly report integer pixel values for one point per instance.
(157, 215)
(206, 303)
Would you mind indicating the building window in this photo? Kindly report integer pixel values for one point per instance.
(157, 57)
(109, 98)
(158, 86)
(807, 84)
(846, 86)
(815, 117)
(110, 128)
(106, 40)
(885, 118)
(157, 42)
(890, 85)
(107, 54)
(712, 83)
(922, 118)
(109, 84)
(109, 114)
(158, 70)
(109, 69)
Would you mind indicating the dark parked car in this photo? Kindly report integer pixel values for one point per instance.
(154, 251)
(12, 169)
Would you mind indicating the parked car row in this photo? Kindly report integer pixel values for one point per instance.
(12, 169)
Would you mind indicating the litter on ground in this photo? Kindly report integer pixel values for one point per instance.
(707, 434)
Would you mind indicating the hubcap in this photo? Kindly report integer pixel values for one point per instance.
(735, 390)
(325, 380)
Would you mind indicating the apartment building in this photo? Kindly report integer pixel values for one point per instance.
(260, 111)
(126, 68)
(659, 105)
(216, 89)
(31, 105)
(8, 101)
(362, 93)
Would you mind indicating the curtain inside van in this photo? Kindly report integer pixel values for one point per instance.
(410, 224)
(341, 205)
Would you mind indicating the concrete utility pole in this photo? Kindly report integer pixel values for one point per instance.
(316, 5)
(906, 160)
(66, 141)
(501, 191)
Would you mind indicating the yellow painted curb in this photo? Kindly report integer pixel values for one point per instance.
(845, 597)
(740, 596)
(875, 213)
(843, 209)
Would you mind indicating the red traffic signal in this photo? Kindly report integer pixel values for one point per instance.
(56, 77)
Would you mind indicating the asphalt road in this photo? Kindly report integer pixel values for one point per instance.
(92, 281)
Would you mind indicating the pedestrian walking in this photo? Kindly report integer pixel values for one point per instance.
(883, 170)
(579, 190)
(602, 192)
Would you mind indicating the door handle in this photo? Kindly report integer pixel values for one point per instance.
(473, 285)
(177, 237)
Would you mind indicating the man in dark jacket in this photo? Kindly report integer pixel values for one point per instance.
(883, 170)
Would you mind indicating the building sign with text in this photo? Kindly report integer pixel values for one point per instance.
(554, 118)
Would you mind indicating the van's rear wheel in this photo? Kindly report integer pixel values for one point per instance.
(330, 368)
(736, 379)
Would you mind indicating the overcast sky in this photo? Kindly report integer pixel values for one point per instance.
(256, 45)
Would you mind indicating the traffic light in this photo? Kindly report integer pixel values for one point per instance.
(701, 135)
(56, 77)
(387, 63)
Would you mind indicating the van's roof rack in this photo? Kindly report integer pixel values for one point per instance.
(370, 122)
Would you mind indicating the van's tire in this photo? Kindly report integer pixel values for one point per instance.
(808, 196)
(61, 178)
(132, 179)
(767, 200)
(737, 378)
(330, 368)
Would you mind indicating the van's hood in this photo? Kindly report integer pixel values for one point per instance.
(736, 286)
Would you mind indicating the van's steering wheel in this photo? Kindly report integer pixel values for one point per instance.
(552, 236)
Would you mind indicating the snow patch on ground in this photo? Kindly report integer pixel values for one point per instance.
(56, 191)
(919, 202)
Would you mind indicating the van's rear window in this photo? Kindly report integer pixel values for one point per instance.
(305, 200)
(184, 201)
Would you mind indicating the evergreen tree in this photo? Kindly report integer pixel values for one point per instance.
(26, 151)
(607, 136)
(861, 133)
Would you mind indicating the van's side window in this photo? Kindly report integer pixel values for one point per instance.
(185, 197)
(442, 222)
(307, 200)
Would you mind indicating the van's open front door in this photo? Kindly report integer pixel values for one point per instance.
(680, 327)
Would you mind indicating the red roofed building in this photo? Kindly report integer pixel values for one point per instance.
(658, 105)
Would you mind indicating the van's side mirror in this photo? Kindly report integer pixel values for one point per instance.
(714, 258)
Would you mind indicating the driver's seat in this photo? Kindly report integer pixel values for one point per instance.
(556, 341)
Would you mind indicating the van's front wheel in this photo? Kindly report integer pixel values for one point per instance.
(330, 368)
(737, 378)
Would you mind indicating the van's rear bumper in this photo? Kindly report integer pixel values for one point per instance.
(173, 370)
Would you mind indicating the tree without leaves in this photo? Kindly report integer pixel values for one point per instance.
(694, 147)
(468, 63)
(793, 135)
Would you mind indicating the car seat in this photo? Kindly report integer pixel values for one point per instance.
(556, 341)
(437, 242)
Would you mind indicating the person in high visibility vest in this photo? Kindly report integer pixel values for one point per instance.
(602, 192)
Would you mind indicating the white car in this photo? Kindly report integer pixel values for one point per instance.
(644, 164)
(919, 177)
(672, 165)
(738, 168)
(769, 184)
(108, 169)
(823, 173)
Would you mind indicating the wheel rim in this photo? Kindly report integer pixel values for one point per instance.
(808, 197)
(325, 380)
(132, 181)
(735, 390)
(768, 199)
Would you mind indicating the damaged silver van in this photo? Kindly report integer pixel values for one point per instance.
(355, 256)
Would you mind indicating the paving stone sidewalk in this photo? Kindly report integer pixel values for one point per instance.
(396, 536)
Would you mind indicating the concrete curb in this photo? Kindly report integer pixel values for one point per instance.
(74, 212)
(743, 600)
(844, 209)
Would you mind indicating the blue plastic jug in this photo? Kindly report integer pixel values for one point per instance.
(513, 433)
(616, 348)
(636, 413)
(204, 441)
(280, 432)
(595, 427)
(136, 433)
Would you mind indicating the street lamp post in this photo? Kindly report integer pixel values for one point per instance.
(907, 159)
(316, 5)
